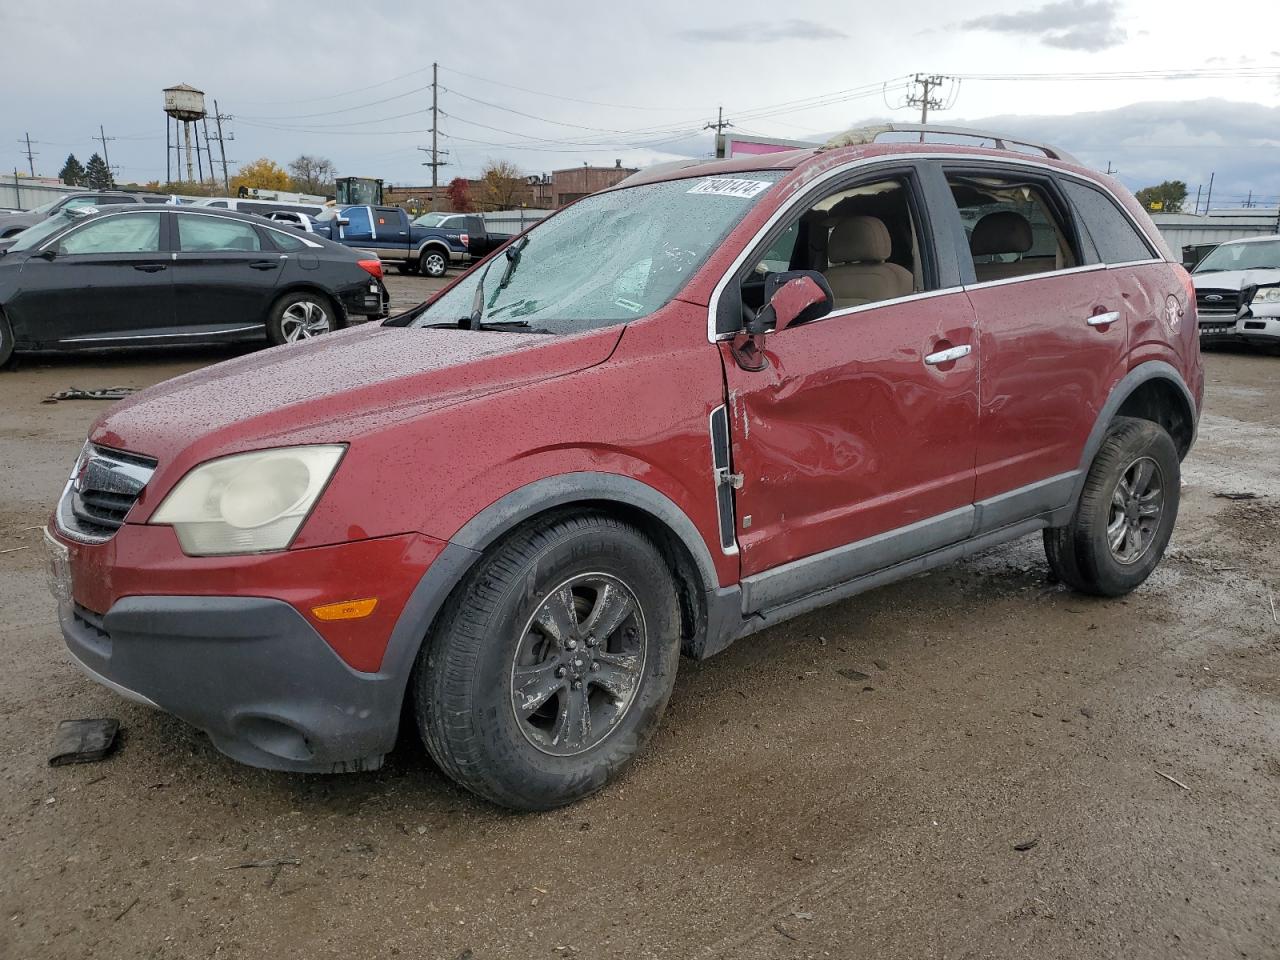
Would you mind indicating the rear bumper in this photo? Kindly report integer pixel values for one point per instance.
(250, 672)
(367, 300)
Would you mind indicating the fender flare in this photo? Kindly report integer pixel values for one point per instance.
(1142, 373)
(468, 544)
(432, 242)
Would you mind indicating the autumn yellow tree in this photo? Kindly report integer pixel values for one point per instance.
(262, 174)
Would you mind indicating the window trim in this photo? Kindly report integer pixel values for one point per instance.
(922, 160)
(917, 201)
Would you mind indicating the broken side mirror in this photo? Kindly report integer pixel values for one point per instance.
(791, 297)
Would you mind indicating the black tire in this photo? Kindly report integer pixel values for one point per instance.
(405, 268)
(1118, 503)
(287, 323)
(6, 342)
(464, 683)
(433, 262)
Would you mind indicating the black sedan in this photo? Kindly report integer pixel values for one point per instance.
(146, 275)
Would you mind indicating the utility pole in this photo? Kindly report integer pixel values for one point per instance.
(719, 127)
(222, 145)
(208, 151)
(31, 164)
(1110, 169)
(168, 151)
(1208, 200)
(103, 138)
(435, 163)
(925, 95)
(1199, 187)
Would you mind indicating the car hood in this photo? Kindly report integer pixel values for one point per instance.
(336, 388)
(1233, 279)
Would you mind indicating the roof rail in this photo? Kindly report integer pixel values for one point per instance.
(862, 135)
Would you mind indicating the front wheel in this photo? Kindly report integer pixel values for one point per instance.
(551, 664)
(1126, 512)
(433, 263)
(301, 316)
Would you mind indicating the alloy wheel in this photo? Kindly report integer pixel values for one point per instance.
(1137, 504)
(578, 664)
(303, 320)
(433, 265)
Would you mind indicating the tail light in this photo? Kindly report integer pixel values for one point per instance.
(371, 267)
(466, 240)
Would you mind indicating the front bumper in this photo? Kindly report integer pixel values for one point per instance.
(1260, 330)
(250, 672)
(246, 660)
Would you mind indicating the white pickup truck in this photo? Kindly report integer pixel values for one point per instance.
(1220, 279)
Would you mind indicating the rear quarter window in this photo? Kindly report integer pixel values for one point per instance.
(1113, 234)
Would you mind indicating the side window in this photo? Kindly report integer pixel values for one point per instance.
(359, 224)
(386, 218)
(111, 198)
(474, 225)
(864, 239)
(1112, 233)
(77, 202)
(222, 204)
(198, 233)
(285, 241)
(131, 233)
(1013, 225)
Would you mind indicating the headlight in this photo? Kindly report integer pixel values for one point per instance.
(249, 502)
(1267, 295)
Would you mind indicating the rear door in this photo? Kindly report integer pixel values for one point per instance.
(1052, 333)
(390, 233)
(225, 273)
(109, 279)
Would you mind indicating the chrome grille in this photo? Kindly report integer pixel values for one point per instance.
(1217, 303)
(102, 490)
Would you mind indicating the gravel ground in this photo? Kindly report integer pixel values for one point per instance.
(967, 764)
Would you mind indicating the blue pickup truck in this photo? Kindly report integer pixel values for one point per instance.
(412, 247)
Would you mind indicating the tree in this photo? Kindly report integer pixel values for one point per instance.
(72, 173)
(313, 174)
(501, 185)
(459, 194)
(1166, 197)
(262, 174)
(96, 174)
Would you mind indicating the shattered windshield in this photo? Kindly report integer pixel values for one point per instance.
(609, 258)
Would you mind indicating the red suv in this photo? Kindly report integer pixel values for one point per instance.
(675, 413)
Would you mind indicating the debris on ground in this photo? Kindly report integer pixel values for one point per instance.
(276, 862)
(1026, 845)
(784, 931)
(1245, 495)
(851, 674)
(1173, 780)
(83, 741)
(100, 393)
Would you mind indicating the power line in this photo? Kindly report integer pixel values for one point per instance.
(556, 96)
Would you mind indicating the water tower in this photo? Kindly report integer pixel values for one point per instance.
(186, 105)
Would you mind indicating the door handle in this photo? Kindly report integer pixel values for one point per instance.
(946, 356)
(149, 267)
(1103, 319)
(264, 264)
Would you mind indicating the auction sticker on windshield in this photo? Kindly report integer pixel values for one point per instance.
(731, 187)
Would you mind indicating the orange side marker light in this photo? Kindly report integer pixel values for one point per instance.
(345, 609)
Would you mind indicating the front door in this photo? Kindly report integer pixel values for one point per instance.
(225, 273)
(108, 279)
(856, 443)
(1052, 332)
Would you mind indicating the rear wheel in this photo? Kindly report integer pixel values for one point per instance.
(433, 262)
(1126, 512)
(301, 316)
(552, 663)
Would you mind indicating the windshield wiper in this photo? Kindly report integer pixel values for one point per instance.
(513, 325)
(513, 260)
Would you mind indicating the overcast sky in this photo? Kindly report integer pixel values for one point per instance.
(309, 77)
